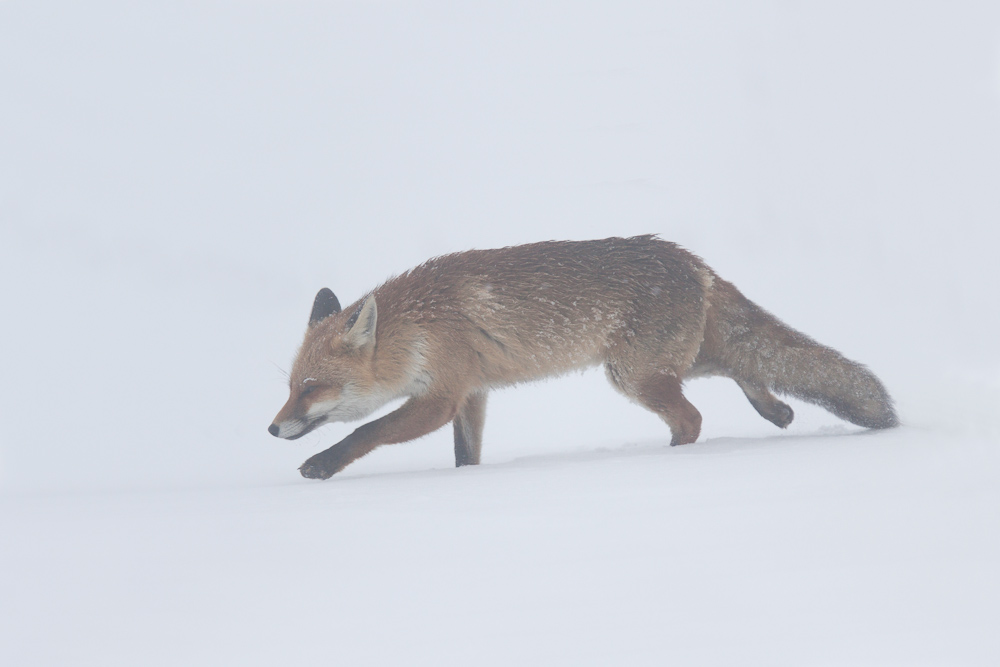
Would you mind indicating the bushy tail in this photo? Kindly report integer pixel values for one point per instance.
(756, 348)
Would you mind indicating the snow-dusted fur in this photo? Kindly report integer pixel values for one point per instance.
(750, 345)
(451, 329)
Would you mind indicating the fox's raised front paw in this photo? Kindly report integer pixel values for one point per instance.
(315, 470)
(328, 463)
(321, 466)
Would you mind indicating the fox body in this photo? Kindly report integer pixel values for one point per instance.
(448, 331)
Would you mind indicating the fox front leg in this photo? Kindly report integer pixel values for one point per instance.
(469, 430)
(417, 417)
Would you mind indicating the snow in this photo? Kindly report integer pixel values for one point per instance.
(177, 181)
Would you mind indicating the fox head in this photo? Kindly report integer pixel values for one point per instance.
(333, 377)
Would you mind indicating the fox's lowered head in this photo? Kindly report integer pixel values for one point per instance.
(333, 377)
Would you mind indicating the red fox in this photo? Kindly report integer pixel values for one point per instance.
(445, 333)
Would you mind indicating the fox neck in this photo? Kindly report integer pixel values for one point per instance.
(398, 373)
(414, 378)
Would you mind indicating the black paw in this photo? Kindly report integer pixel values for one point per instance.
(781, 415)
(316, 468)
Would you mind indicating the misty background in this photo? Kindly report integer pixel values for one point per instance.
(178, 179)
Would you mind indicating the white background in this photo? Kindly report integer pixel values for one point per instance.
(178, 179)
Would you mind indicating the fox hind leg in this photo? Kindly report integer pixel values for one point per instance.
(469, 430)
(767, 404)
(661, 393)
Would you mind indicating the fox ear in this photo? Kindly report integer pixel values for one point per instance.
(361, 326)
(324, 306)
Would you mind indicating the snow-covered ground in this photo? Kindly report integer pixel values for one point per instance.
(178, 179)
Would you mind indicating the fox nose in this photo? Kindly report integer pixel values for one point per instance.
(273, 429)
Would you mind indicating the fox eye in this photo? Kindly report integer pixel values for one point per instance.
(308, 390)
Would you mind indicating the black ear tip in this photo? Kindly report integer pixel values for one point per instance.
(324, 305)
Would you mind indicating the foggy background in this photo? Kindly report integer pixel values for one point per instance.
(178, 179)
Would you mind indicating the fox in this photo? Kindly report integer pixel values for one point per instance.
(444, 334)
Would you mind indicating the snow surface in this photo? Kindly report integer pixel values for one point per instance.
(178, 179)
